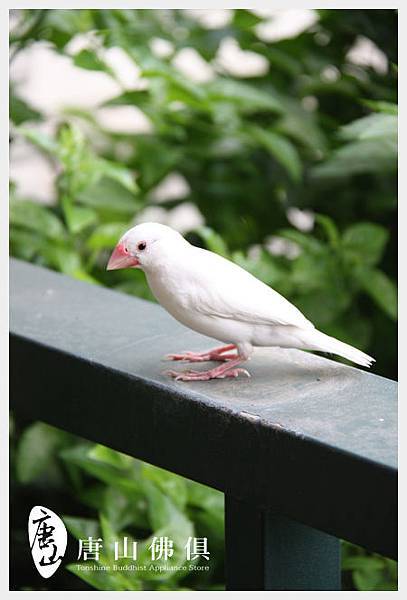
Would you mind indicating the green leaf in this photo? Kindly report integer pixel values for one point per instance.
(36, 217)
(110, 196)
(247, 98)
(63, 258)
(161, 509)
(306, 241)
(123, 479)
(281, 61)
(380, 106)
(106, 579)
(381, 289)
(25, 244)
(106, 235)
(86, 59)
(245, 19)
(39, 139)
(367, 580)
(21, 111)
(82, 528)
(281, 149)
(365, 242)
(372, 126)
(78, 217)
(330, 229)
(111, 457)
(131, 97)
(213, 241)
(368, 563)
(170, 484)
(365, 156)
(90, 495)
(155, 159)
(80, 166)
(323, 305)
(369, 571)
(82, 275)
(36, 451)
(372, 148)
(178, 88)
(205, 498)
(301, 125)
(118, 173)
(62, 25)
(166, 520)
(124, 510)
(264, 267)
(312, 271)
(109, 532)
(351, 327)
(83, 169)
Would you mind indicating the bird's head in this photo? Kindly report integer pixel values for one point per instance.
(145, 247)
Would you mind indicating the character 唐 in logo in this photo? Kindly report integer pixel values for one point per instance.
(48, 539)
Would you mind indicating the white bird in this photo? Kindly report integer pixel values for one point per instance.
(217, 298)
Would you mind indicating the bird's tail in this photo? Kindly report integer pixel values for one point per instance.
(316, 340)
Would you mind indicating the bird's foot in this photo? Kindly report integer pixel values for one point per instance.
(228, 369)
(205, 375)
(218, 354)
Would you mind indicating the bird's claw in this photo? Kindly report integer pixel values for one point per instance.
(234, 373)
(238, 372)
(198, 357)
(187, 357)
(191, 375)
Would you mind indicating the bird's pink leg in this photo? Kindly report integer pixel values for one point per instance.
(227, 369)
(217, 354)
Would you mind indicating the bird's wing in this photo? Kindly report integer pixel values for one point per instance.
(221, 288)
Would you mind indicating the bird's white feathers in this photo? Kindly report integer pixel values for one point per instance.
(216, 297)
(226, 290)
(316, 340)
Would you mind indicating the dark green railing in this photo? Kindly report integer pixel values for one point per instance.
(305, 450)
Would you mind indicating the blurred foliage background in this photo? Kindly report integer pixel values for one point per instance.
(287, 167)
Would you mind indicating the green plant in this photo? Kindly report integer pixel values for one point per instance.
(121, 496)
(368, 572)
(250, 150)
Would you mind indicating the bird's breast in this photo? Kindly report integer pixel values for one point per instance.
(183, 306)
(169, 293)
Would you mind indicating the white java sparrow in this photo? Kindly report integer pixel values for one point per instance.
(217, 298)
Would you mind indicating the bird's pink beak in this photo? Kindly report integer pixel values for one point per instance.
(121, 259)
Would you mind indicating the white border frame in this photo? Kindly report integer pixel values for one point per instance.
(4, 415)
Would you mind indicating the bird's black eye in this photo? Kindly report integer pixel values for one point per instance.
(142, 246)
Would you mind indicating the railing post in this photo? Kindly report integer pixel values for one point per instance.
(265, 551)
